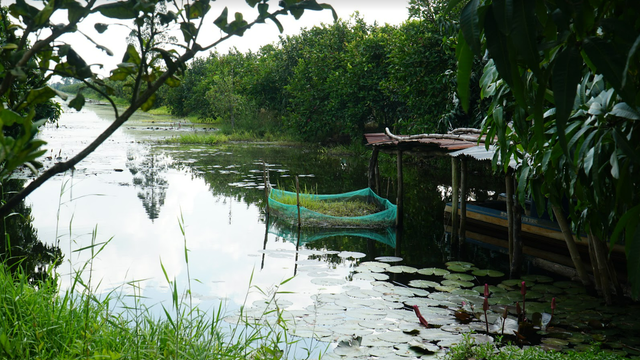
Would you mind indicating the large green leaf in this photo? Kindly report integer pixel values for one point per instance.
(632, 52)
(131, 55)
(147, 105)
(118, 10)
(608, 62)
(42, 18)
(503, 12)
(465, 63)
(566, 77)
(469, 24)
(9, 117)
(623, 144)
(524, 33)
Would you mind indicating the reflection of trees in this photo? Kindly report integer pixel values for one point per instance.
(20, 247)
(148, 178)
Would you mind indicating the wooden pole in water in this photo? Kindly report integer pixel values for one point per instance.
(373, 170)
(400, 193)
(463, 199)
(455, 198)
(298, 201)
(517, 240)
(508, 180)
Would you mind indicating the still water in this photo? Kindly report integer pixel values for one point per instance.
(142, 212)
(134, 193)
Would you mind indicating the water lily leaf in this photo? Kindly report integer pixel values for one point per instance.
(370, 276)
(457, 276)
(554, 341)
(458, 268)
(444, 288)
(423, 284)
(424, 346)
(566, 284)
(513, 282)
(395, 336)
(492, 289)
(489, 273)
(433, 271)
(367, 314)
(402, 269)
(537, 278)
(547, 288)
(465, 292)
(388, 259)
(351, 254)
(460, 263)
(457, 283)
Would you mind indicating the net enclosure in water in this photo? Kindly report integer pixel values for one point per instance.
(359, 208)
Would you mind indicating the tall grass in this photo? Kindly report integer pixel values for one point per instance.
(41, 322)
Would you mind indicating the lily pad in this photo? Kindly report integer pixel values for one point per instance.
(537, 278)
(351, 254)
(458, 283)
(465, 292)
(489, 273)
(492, 289)
(370, 276)
(460, 263)
(402, 269)
(424, 284)
(327, 281)
(547, 288)
(388, 259)
(458, 268)
(457, 276)
(555, 342)
(513, 282)
(433, 271)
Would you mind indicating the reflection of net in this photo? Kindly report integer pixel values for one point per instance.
(386, 216)
(289, 232)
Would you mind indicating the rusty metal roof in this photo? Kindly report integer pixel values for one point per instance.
(384, 142)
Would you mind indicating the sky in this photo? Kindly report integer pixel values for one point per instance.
(381, 11)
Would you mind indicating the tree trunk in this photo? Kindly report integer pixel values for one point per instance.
(571, 244)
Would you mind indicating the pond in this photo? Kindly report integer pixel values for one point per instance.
(154, 202)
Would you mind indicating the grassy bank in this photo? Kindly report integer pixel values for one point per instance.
(39, 322)
(218, 137)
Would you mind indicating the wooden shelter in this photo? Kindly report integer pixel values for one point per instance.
(460, 144)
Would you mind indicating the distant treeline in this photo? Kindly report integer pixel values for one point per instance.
(329, 83)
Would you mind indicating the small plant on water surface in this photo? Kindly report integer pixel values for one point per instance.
(39, 322)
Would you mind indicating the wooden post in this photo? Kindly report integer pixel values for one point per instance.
(455, 198)
(400, 193)
(517, 240)
(267, 185)
(508, 180)
(298, 201)
(463, 199)
(373, 170)
(571, 244)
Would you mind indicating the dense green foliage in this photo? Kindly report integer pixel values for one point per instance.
(565, 89)
(330, 83)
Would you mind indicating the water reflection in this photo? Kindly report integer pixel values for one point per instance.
(149, 178)
(21, 248)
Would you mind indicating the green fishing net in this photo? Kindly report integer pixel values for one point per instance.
(290, 232)
(360, 208)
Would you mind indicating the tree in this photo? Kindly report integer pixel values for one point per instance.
(564, 82)
(150, 66)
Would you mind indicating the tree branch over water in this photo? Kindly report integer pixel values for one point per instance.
(138, 64)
